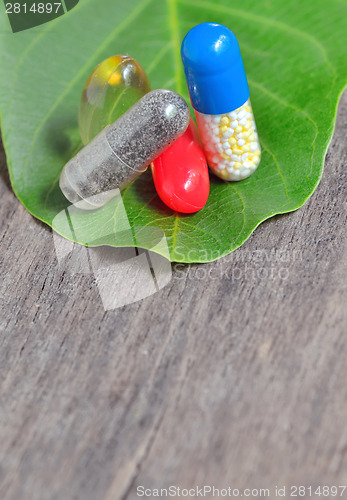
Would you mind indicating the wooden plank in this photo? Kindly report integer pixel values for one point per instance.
(232, 375)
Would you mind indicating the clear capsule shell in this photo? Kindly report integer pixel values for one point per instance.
(123, 150)
(115, 85)
(231, 142)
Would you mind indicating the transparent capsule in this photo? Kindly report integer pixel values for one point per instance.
(111, 89)
(219, 93)
(230, 142)
(123, 150)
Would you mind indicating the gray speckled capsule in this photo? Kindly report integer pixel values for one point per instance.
(123, 150)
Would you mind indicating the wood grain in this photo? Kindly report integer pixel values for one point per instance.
(234, 374)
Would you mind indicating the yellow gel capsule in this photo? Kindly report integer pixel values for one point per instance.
(111, 89)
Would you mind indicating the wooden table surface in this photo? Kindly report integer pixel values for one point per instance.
(233, 375)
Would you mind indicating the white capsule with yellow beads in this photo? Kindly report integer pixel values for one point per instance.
(219, 93)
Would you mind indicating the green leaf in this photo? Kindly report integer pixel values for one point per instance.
(295, 58)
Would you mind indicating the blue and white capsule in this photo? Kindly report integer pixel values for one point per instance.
(219, 94)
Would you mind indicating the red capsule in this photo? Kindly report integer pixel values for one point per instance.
(180, 174)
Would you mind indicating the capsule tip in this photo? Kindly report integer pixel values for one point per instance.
(209, 47)
(214, 69)
(92, 202)
(67, 190)
(171, 108)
